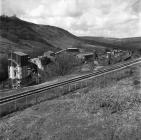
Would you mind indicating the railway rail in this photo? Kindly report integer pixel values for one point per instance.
(98, 73)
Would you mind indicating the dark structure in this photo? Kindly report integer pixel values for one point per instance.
(19, 58)
(85, 57)
(73, 50)
(18, 68)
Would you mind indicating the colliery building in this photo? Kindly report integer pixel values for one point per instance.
(17, 65)
(19, 69)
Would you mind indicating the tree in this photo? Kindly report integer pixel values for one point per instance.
(65, 63)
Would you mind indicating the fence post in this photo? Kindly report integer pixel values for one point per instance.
(26, 100)
(104, 81)
(15, 105)
(97, 82)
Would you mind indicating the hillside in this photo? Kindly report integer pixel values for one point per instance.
(34, 39)
(29, 37)
(120, 43)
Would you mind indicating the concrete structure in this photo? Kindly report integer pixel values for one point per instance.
(37, 61)
(17, 61)
(41, 61)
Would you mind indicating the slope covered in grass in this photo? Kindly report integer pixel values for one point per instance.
(110, 113)
(27, 36)
(17, 34)
(119, 43)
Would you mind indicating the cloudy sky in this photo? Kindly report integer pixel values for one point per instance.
(111, 18)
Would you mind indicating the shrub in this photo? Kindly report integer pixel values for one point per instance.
(65, 63)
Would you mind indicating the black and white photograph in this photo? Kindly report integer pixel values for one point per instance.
(70, 69)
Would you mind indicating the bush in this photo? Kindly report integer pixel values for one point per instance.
(63, 65)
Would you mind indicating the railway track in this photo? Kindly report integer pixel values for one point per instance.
(101, 72)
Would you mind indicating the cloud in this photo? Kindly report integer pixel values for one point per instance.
(0, 7)
(54, 8)
(136, 6)
(114, 18)
(18, 7)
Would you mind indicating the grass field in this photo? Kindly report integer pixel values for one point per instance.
(109, 113)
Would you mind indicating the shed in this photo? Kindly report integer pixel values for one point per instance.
(85, 56)
(73, 50)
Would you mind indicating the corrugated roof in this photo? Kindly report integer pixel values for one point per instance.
(72, 49)
(84, 54)
(20, 53)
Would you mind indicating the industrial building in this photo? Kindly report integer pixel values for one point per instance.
(23, 71)
(19, 69)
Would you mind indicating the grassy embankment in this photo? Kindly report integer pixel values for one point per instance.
(104, 113)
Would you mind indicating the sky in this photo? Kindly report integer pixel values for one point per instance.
(108, 18)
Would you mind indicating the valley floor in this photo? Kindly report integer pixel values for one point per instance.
(110, 113)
